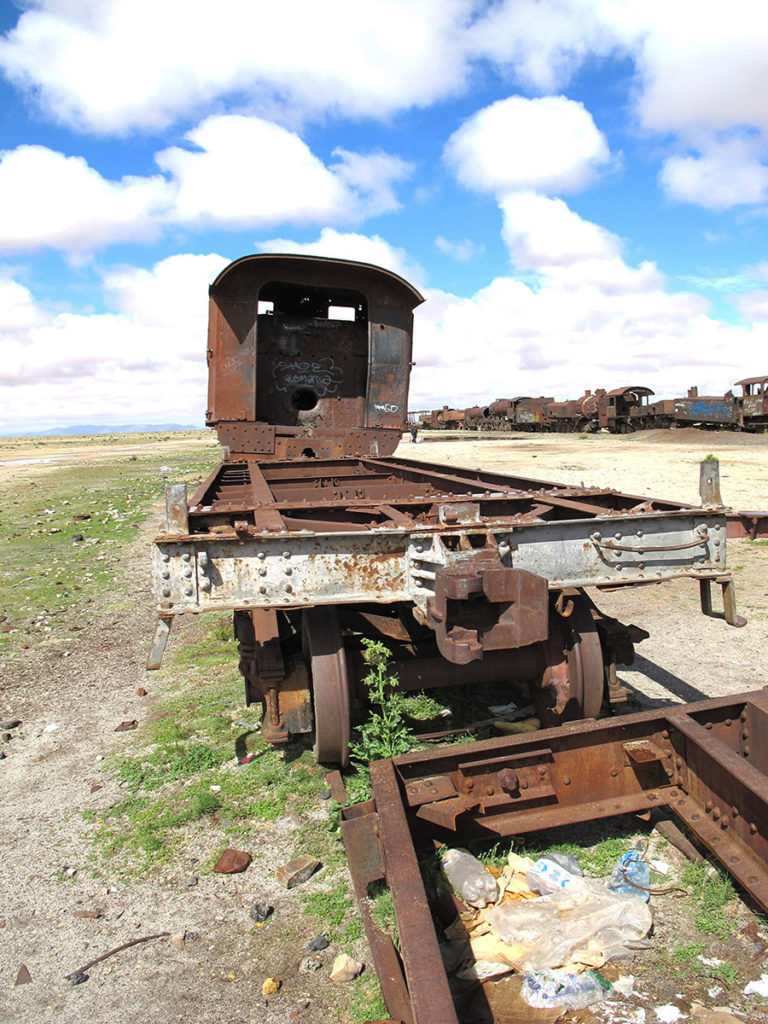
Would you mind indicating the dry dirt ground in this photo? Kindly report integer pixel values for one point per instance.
(70, 702)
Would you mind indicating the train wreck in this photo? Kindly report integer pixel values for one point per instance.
(312, 532)
(315, 534)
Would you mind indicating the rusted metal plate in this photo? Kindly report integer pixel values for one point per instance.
(704, 762)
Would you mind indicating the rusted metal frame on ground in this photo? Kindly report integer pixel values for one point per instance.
(706, 762)
(753, 525)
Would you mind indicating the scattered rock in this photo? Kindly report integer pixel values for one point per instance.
(192, 881)
(96, 786)
(232, 861)
(10, 723)
(345, 969)
(177, 940)
(7, 736)
(296, 871)
(2, 754)
(141, 692)
(80, 517)
(702, 1015)
(90, 914)
(310, 964)
(325, 795)
(192, 937)
(271, 986)
(127, 726)
(23, 977)
(77, 977)
(259, 912)
(51, 728)
(77, 538)
(67, 872)
(318, 943)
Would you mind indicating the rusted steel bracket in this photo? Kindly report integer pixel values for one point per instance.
(706, 763)
(481, 605)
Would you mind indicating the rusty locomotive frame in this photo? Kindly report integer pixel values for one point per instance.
(312, 531)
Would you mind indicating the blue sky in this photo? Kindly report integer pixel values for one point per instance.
(578, 187)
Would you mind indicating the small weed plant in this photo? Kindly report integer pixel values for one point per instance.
(386, 733)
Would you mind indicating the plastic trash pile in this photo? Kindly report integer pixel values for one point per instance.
(544, 920)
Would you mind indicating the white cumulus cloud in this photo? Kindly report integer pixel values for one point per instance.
(113, 65)
(243, 172)
(550, 144)
(725, 175)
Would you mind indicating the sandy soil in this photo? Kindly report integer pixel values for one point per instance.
(70, 709)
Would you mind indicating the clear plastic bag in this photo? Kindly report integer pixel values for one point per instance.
(469, 878)
(631, 876)
(558, 988)
(548, 931)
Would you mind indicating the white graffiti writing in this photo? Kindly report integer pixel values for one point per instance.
(387, 407)
(323, 376)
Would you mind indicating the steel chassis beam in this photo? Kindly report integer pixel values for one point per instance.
(705, 762)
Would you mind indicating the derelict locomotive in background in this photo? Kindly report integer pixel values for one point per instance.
(313, 534)
(620, 411)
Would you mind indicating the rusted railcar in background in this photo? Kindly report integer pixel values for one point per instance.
(312, 532)
(753, 403)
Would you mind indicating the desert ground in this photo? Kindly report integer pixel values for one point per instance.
(83, 868)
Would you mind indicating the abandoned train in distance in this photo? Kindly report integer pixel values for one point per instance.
(313, 532)
(619, 411)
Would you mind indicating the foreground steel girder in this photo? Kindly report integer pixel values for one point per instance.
(706, 762)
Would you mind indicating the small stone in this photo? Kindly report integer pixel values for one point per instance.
(6, 737)
(271, 987)
(296, 871)
(89, 914)
(232, 861)
(192, 881)
(96, 786)
(76, 977)
(127, 726)
(141, 692)
(310, 964)
(345, 969)
(177, 940)
(259, 912)
(77, 538)
(10, 723)
(325, 795)
(319, 942)
(23, 977)
(2, 754)
(192, 937)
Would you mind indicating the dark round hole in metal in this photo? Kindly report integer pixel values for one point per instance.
(308, 453)
(303, 399)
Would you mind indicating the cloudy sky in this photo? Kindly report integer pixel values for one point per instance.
(578, 187)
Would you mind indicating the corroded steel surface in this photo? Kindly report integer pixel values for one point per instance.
(706, 763)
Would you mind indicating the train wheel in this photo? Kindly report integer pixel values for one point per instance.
(324, 649)
(571, 686)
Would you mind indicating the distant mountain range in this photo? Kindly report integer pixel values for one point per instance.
(90, 428)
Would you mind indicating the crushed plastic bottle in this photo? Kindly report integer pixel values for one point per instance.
(553, 873)
(630, 876)
(469, 878)
(544, 989)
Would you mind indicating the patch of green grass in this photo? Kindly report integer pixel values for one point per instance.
(422, 707)
(597, 860)
(331, 907)
(711, 892)
(367, 1002)
(383, 910)
(47, 572)
(688, 955)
